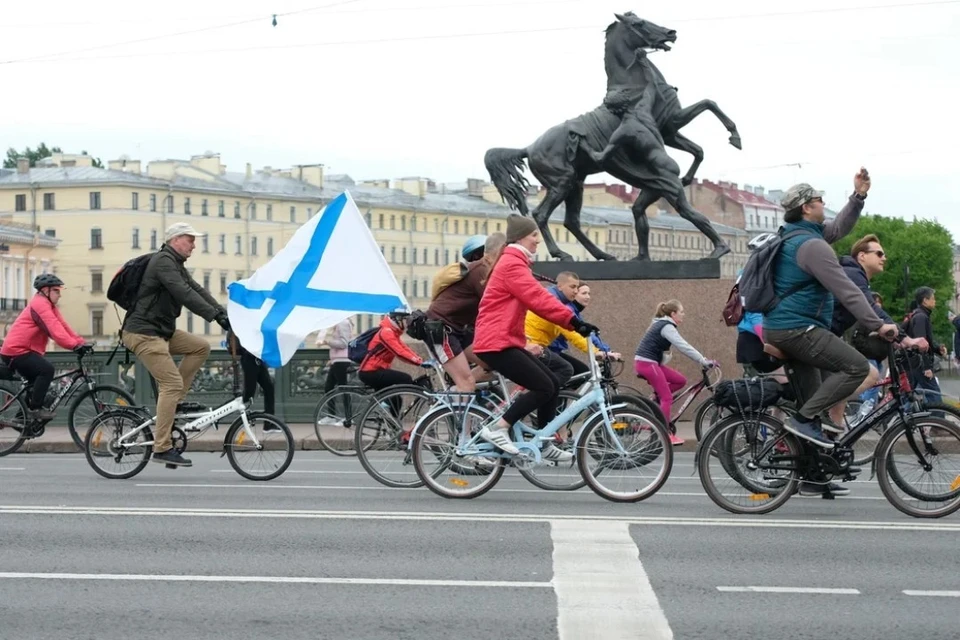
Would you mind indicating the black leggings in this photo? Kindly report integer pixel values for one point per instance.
(254, 373)
(523, 368)
(383, 378)
(579, 366)
(36, 370)
(336, 375)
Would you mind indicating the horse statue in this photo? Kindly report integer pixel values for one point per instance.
(563, 157)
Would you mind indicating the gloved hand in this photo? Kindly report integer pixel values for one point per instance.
(222, 320)
(583, 328)
(83, 349)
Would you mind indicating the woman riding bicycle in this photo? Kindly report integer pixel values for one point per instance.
(653, 353)
(25, 345)
(500, 339)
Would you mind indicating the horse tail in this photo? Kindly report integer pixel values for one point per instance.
(505, 167)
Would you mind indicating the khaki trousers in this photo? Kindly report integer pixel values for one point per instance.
(156, 355)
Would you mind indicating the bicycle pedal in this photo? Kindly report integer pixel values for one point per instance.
(170, 466)
(826, 495)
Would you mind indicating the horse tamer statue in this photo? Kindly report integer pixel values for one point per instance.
(624, 137)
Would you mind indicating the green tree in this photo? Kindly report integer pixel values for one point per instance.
(922, 248)
(34, 155)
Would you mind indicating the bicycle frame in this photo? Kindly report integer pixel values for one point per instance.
(692, 392)
(201, 421)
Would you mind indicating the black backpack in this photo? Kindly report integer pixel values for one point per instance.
(124, 289)
(756, 281)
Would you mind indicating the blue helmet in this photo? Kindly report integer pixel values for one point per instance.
(473, 248)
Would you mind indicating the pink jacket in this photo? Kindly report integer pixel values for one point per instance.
(35, 326)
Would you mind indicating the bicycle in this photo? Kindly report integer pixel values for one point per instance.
(769, 462)
(702, 415)
(118, 434)
(13, 406)
(449, 432)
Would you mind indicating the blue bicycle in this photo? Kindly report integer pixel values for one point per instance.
(622, 454)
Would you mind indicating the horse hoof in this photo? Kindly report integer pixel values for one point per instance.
(735, 141)
(641, 258)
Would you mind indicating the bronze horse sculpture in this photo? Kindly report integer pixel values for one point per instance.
(565, 155)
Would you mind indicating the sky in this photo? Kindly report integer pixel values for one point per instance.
(384, 89)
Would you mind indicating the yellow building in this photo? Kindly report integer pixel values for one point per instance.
(104, 217)
(24, 254)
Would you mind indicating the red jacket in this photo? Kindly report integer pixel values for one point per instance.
(385, 346)
(511, 291)
(35, 326)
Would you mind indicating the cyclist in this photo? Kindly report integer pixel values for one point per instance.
(26, 343)
(653, 353)
(337, 339)
(560, 345)
(456, 305)
(807, 276)
(750, 353)
(500, 339)
(150, 331)
(919, 325)
(255, 372)
(386, 346)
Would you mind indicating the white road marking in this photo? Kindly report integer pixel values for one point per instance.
(934, 594)
(602, 589)
(820, 590)
(12, 469)
(498, 584)
(440, 516)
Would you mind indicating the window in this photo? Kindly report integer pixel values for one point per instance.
(169, 205)
(186, 206)
(238, 245)
(424, 255)
(381, 221)
(498, 226)
(456, 226)
(203, 208)
(309, 212)
(223, 282)
(135, 240)
(436, 256)
(94, 200)
(403, 223)
(293, 214)
(189, 322)
(393, 254)
(393, 222)
(206, 244)
(253, 246)
(206, 281)
(415, 283)
(49, 201)
(269, 246)
(425, 289)
(220, 211)
(404, 287)
(206, 328)
(223, 243)
(96, 238)
(403, 255)
(21, 202)
(153, 202)
(153, 240)
(96, 282)
(446, 256)
(269, 212)
(476, 227)
(236, 209)
(96, 322)
(436, 225)
(240, 275)
(253, 210)
(368, 217)
(134, 200)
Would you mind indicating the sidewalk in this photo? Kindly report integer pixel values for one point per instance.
(58, 440)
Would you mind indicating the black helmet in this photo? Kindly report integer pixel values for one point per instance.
(46, 280)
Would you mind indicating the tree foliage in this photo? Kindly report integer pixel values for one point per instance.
(34, 155)
(923, 247)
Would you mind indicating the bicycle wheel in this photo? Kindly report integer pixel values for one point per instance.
(382, 434)
(707, 415)
(335, 416)
(92, 402)
(608, 456)
(930, 481)
(265, 461)
(765, 451)
(13, 422)
(102, 448)
(435, 459)
(559, 476)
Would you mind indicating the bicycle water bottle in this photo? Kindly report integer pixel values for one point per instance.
(865, 409)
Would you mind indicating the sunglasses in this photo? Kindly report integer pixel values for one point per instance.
(879, 253)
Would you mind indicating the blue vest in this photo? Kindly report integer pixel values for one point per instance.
(654, 345)
(811, 304)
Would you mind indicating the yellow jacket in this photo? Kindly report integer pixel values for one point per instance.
(543, 332)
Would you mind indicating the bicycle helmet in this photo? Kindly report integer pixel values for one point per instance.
(473, 248)
(760, 240)
(46, 280)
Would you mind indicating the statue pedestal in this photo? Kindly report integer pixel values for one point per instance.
(634, 270)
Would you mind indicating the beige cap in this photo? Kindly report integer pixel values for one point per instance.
(181, 229)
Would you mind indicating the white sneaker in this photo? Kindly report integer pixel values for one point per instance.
(553, 453)
(499, 439)
(328, 421)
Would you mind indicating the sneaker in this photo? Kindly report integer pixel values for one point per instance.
(829, 425)
(171, 457)
(553, 453)
(809, 431)
(191, 407)
(808, 489)
(330, 421)
(676, 440)
(270, 427)
(499, 439)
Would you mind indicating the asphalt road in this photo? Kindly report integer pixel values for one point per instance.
(325, 552)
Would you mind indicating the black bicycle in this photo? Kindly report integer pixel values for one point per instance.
(15, 426)
(748, 462)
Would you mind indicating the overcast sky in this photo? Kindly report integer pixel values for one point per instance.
(383, 89)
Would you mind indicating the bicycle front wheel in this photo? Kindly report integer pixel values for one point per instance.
(269, 456)
(335, 418)
(92, 402)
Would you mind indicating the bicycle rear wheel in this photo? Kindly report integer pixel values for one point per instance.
(92, 402)
(13, 422)
(268, 460)
(102, 448)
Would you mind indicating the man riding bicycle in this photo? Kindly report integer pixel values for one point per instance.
(150, 331)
